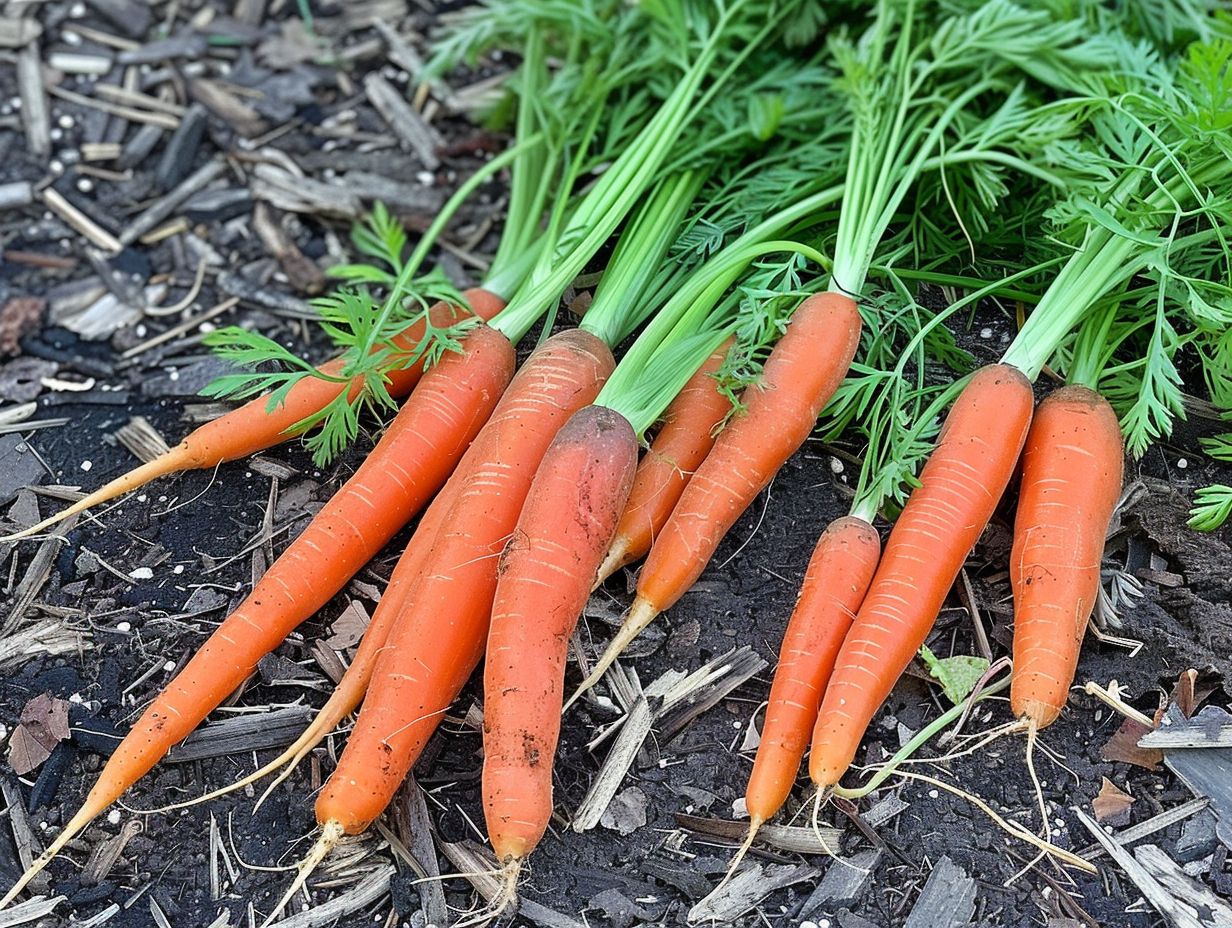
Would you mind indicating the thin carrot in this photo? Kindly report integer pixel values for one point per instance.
(960, 486)
(1071, 479)
(254, 426)
(685, 437)
(546, 575)
(835, 584)
(409, 464)
(799, 377)
(436, 643)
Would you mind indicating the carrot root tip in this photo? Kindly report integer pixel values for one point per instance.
(641, 614)
(331, 834)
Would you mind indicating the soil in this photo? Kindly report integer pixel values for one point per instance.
(192, 532)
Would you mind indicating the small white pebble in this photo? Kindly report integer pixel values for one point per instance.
(65, 121)
(84, 184)
(206, 327)
(178, 569)
(86, 465)
(71, 38)
(174, 376)
(124, 626)
(1182, 463)
(426, 178)
(737, 725)
(932, 794)
(141, 330)
(162, 499)
(986, 332)
(141, 573)
(76, 699)
(55, 135)
(739, 809)
(77, 10)
(141, 498)
(169, 666)
(55, 166)
(113, 817)
(809, 925)
(836, 466)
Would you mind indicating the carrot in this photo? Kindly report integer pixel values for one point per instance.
(960, 486)
(409, 464)
(684, 438)
(835, 583)
(546, 574)
(254, 426)
(1071, 480)
(800, 375)
(438, 639)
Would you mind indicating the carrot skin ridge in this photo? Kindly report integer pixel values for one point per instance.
(1072, 468)
(410, 462)
(802, 372)
(437, 639)
(546, 573)
(685, 437)
(839, 573)
(960, 486)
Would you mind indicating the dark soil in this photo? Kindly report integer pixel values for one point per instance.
(189, 531)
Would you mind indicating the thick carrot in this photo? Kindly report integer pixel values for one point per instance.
(254, 427)
(438, 639)
(411, 461)
(799, 377)
(835, 583)
(685, 437)
(1071, 480)
(546, 574)
(960, 486)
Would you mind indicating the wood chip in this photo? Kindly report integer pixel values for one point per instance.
(1175, 908)
(36, 575)
(35, 118)
(746, 889)
(409, 126)
(790, 838)
(32, 910)
(348, 904)
(169, 202)
(142, 439)
(947, 899)
(82, 223)
(16, 31)
(253, 731)
(15, 195)
(1210, 728)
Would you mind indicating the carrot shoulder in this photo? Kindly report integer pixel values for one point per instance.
(1071, 479)
(437, 640)
(959, 489)
(546, 574)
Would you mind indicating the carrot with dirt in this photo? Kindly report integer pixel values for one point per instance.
(412, 460)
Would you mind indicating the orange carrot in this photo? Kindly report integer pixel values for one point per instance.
(1071, 480)
(685, 437)
(438, 639)
(835, 583)
(546, 574)
(960, 486)
(799, 377)
(254, 427)
(411, 461)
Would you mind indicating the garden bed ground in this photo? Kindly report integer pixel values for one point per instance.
(124, 599)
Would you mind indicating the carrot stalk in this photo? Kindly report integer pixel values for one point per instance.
(960, 486)
(801, 374)
(546, 574)
(835, 584)
(686, 435)
(254, 427)
(409, 464)
(1071, 480)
